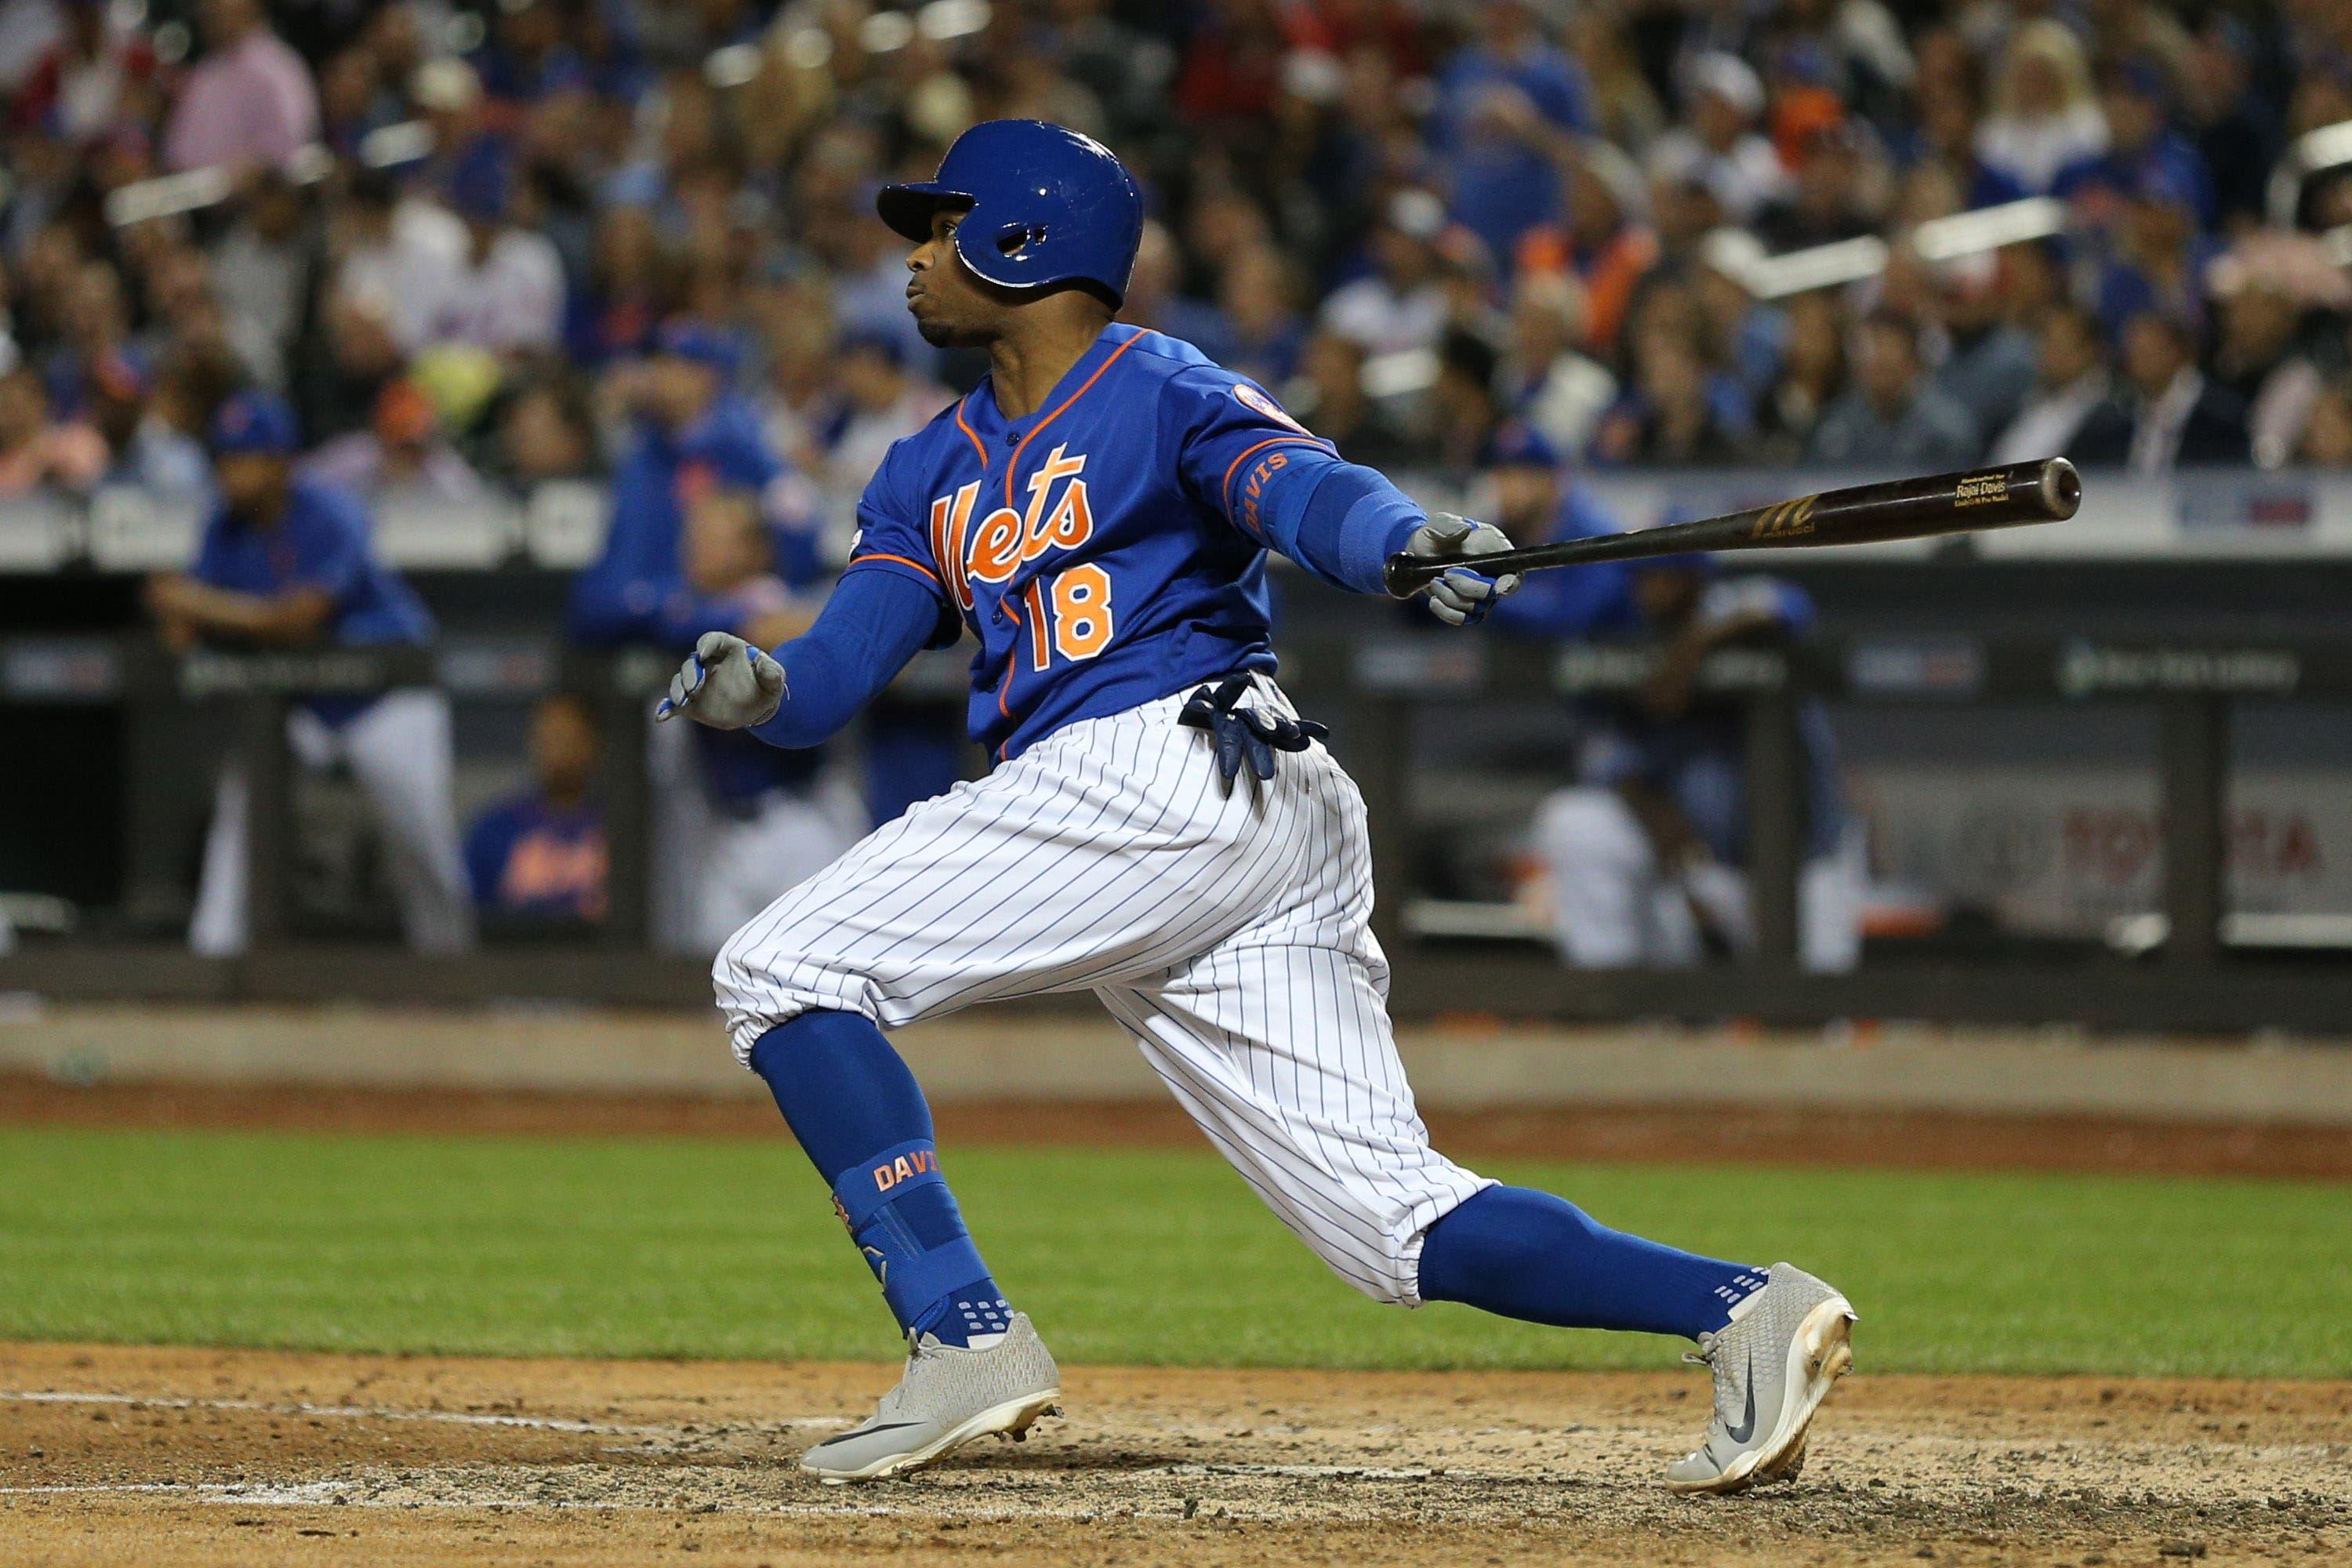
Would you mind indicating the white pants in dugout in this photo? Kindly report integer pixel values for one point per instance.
(399, 751)
(1614, 908)
(754, 859)
(1226, 931)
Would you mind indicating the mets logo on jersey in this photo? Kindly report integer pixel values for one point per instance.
(1066, 613)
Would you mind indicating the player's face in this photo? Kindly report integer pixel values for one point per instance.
(564, 745)
(252, 483)
(1525, 495)
(1666, 595)
(951, 307)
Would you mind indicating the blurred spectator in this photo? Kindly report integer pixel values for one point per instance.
(2238, 127)
(692, 433)
(1562, 392)
(1502, 103)
(286, 563)
(2142, 149)
(504, 295)
(1152, 299)
(263, 269)
(2070, 384)
(1948, 91)
(628, 290)
(1402, 303)
(2327, 432)
(776, 817)
(1812, 377)
(1893, 416)
(2164, 413)
(393, 256)
(446, 93)
(93, 359)
(36, 449)
(2045, 115)
(1719, 147)
(248, 99)
(1989, 363)
(880, 403)
(1264, 329)
(94, 76)
(1330, 399)
(1465, 405)
(547, 432)
(166, 457)
(1839, 192)
(1644, 852)
(2278, 297)
(1536, 505)
(2157, 258)
(539, 859)
(402, 453)
(1849, 52)
(1669, 418)
(1738, 335)
(1624, 108)
(1604, 243)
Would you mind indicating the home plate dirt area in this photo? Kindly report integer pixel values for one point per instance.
(191, 1457)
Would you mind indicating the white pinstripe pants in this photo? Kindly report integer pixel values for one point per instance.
(1226, 932)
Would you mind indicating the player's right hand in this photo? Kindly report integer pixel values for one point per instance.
(1464, 594)
(725, 683)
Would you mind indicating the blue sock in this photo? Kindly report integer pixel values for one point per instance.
(862, 1120)
(1529, 1255)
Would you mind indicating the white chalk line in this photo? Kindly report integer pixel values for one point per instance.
(941, 1494)
(386, 1413)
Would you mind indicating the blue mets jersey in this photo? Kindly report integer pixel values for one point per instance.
(322, 541)
(1105, 550)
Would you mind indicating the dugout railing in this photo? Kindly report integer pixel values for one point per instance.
(1375, 687)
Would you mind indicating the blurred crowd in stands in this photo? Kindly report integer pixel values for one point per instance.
(453, 235)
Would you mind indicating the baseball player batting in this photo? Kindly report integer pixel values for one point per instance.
(1159, 827)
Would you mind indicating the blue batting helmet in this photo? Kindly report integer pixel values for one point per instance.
(1047, 205)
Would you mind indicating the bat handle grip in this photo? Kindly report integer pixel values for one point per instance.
(1404, 575)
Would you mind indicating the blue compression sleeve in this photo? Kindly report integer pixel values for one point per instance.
(1339, 520)
(1529, 1255)
(862, 1119)
(874, 623)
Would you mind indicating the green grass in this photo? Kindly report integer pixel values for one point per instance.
(647, 1247)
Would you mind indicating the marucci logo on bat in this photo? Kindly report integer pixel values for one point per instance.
(1785, 520)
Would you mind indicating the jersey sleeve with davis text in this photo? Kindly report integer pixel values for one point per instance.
(1231, 441)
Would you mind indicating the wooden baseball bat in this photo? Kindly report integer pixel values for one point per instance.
(2045, 491)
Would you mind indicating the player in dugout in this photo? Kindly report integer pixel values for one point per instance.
(287, 564)
(1645, 852)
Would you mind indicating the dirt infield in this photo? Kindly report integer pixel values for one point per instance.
(1744, 1134)
(199, 1457)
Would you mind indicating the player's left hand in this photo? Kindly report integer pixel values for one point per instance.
(1463, 596)
(725, 683)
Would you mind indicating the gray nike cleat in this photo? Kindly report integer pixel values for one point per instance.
(1773, 1363)
(948, 1396)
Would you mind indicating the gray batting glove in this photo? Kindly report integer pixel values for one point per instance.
(1463, 596)
(725, 683)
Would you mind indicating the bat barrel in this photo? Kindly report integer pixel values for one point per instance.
(2048, 491)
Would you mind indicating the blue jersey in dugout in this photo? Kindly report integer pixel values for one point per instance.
(1105, 550)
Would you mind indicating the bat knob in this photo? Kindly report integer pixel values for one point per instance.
(2062, 489)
